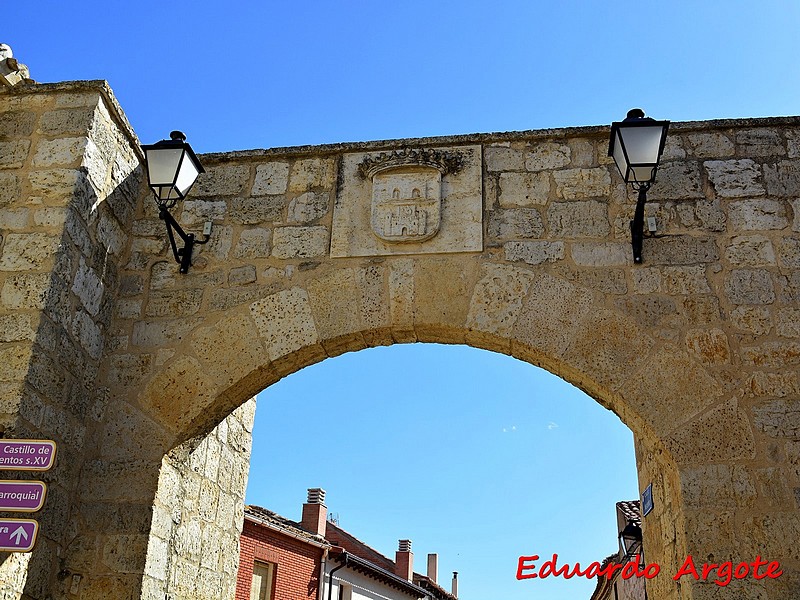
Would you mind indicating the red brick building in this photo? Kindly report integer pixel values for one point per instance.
(315, 559)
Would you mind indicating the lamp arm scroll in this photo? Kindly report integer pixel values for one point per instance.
(183, 256)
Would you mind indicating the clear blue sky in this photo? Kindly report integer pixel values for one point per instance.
(498, 458)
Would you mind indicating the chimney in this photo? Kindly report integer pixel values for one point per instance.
(455, 584)
(404, 561)
(433, 567)
(315, 512)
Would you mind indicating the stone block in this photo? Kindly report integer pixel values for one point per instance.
(762, 214)
(678, 250)
(710, 145)
(158, 334)
(548, 155)
(13, 153)
(601, 254)
(719, 486)
(677, 181)
(66, 121)
(197, 212)
(710, 346)
(16, 124)
(735, 178)
(28, 251)
(688, 280)
(271, 178)
(14, 218)
(222, 180)
(88, 287)
(771, 354)
(242, 275)
(534, 252)
(300, 242)
(750, 250)
(312, 173)
(9, 188)
(47, 216)
(648, 310)
(789, 251)
(253, 243)
(754, 319)
(285, 322)
(575, 184)
(253, 211)
(783, 178)
(500, 158)
(787, 322)
(16, 328)
(308, 207)
(25, 291)
(778, 418)
(88, 334)
(61, 152)
(710, 214)
(524, 189)
(498, 298)
(759, 142)
(578, 219)
(53, 185)
(515, 223)
(334, 301)
(749, 286)
(173, 303)
(773, 385)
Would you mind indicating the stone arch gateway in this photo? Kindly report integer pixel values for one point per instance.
(516, 243)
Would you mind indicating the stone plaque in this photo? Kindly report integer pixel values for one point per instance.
(410, 201)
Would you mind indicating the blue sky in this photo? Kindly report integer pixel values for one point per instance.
(477, 456)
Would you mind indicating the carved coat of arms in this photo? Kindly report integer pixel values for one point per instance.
(407, 193)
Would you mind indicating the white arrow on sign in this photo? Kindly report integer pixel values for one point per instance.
(19, 533)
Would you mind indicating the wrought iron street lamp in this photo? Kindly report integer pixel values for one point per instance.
(636, 145)
(172, 168)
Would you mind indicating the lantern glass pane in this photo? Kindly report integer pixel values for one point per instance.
(642, 174)
(619, 155)
(162, 165)
(642, 143)
(187, 175)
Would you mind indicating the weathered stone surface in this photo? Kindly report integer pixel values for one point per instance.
(299, 242)
(500, 158)
(285, 322)
(30, 251)
(789, 252)
(242, 275)
(578, 219)
(772, 354)
(312, 173)
(197, 212)
(9, 188)
(680, 250)
(14, 153)
(778, 418)
(763, 214)
(547, 155)
(783, 178)
(498, 298)
(515, 223)
(222, 180)
(755, 319)
(174, 303)
(575, 184)
(534, 252)
(787, 323)
(253, 211)
(63, 152)
(774, 385)
(735, 178)
(711, 345)
(253, 243)
(759, 142)
(271, 178)
(25, 291)
(16, 328)
(750, 250)
(677, 181)
(710, 145)
(602, 254)
(748, 286)
(308, 207)
(524, 189)
(88, 287)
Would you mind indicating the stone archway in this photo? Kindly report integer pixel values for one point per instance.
(515, 243)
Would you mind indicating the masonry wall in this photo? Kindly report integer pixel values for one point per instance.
(69, 179)
(297, 563)
(193, 550)
(111, 352)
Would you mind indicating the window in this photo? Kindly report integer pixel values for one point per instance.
(263, 581)
(345, 591)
